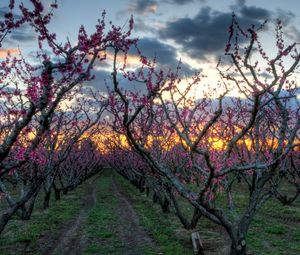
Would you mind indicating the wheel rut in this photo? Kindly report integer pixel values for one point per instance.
(71, 238)
(133, 237)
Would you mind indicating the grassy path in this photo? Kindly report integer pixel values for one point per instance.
(107, 215)
(112, 225)
(73, 239)
(97, 218)
(134, 239)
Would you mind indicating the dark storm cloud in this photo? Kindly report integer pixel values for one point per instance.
(207, 32)
(254, 12)
(293, 33)
(3, 10)
(151, 48)
(240, 2)
(143, 6)
(22, 36)
(165, 54)
(183, 2)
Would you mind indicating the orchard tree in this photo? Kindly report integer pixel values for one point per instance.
(31, 94)
(249, 140)
(75, 126)
(83, 162)
(132, 167)
(291, 176)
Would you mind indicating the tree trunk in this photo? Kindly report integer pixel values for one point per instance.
(57, 194)
(154, 197)
(239, 230)
(46, 203)
(24, 213)
(238, 247)
(237, 234)
(26, 210)
(142, 184)
(6, 216)
(56, 191)
(165, 206)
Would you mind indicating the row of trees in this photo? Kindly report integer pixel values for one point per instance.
(203, 149)
(47, 116)
(200, 149)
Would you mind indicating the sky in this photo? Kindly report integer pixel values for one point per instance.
(194, 31)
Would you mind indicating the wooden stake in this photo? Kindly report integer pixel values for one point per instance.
(197, 244)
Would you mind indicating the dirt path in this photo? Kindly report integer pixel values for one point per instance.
(71, 239)
(134, 238)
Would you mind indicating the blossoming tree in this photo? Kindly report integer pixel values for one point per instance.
(240, 144)
(32, 94)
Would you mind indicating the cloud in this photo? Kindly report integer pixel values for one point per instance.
(253, 12)
(207, 32)
(290, 29)
(285, 16)
(183, 2)
(103, 81)
(20, 36)
(141, 26)
(4, 10)
(240, 2)
(4, 52)
(293, 33)
(143, 6)
(166, 58)
(165, 54)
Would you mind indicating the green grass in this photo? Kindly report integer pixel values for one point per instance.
(21, 236)
(274, 231)
(159, 228)
(164, 228)
(101, 220)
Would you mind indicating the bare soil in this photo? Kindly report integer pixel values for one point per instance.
(132, 235)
